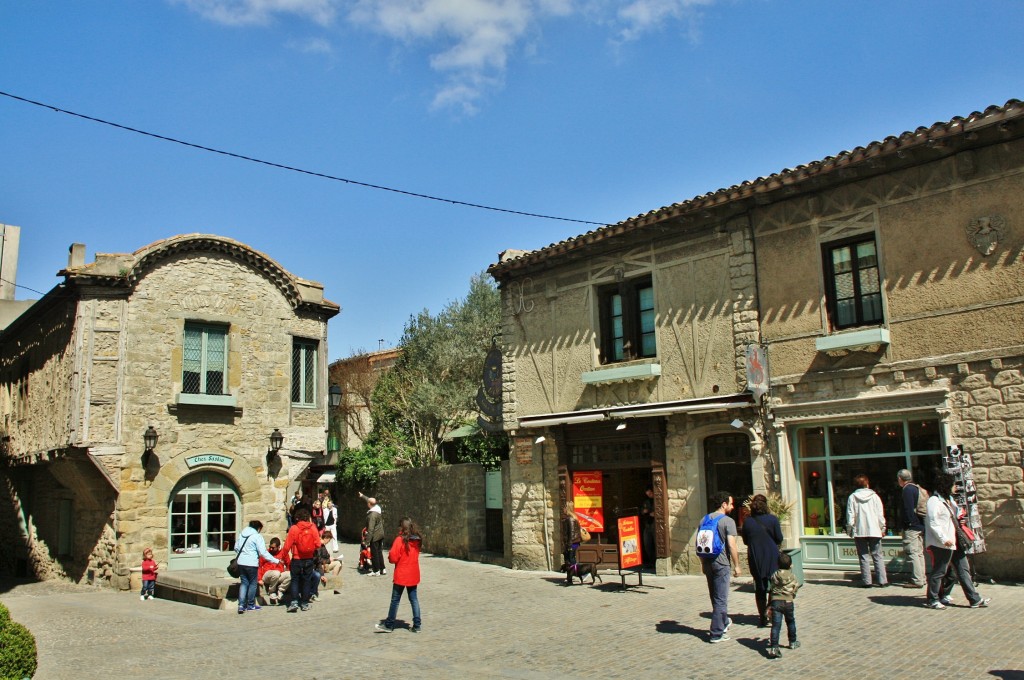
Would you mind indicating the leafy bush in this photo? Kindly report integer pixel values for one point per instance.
(17, 649)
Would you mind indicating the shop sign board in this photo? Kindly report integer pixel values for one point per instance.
(629, 542)
(588, 499)
(209, 459)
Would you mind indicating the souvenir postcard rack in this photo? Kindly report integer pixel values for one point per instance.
(958, 463)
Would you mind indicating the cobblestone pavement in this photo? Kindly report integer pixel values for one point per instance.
(482, 621)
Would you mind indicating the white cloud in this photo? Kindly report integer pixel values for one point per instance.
(240, 12)
(311, 46)
(470, 41)
(640, 16)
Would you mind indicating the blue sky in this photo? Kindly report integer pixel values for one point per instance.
(585, 109)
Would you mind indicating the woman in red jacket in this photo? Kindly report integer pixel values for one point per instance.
(405, 555)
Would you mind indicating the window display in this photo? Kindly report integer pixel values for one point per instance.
(830, 456)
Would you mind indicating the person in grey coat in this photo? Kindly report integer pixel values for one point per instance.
(375, 535)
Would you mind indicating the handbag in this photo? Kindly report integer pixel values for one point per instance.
(233, 570)
(964, 540)
(584, 535)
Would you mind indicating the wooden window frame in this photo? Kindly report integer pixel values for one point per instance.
(832, 302)
(629, 291)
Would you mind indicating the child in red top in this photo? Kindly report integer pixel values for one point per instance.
(149, 569)
(405, 555)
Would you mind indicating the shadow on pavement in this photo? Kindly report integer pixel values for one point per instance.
(1008, 675)
(755, 644)
(676, 628)
(899, 600)
(742, 619)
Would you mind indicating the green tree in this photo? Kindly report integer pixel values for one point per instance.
(431, 389)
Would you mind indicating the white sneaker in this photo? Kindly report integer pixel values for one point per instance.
(946, 600)
(142, 597)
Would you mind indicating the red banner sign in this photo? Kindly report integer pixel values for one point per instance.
(629, 542)
(588, 499)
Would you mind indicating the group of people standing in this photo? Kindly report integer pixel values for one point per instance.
(931, 522)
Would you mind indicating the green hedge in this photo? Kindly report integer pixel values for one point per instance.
(17, 649)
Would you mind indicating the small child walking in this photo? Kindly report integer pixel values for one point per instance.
(149, 569)
(780, 603)
(405, 555)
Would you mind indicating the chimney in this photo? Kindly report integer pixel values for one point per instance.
(76, 255)
(10, 237)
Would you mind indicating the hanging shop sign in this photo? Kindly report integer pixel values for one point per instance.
(629, 542)
(209, 459)
(588, 499)
(757, 370)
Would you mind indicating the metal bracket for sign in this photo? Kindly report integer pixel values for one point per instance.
(632, 571)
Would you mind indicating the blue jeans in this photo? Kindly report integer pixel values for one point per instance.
(250, 584)
(783, 609)
(718, 587)
(148, 588)
(302, 581)
(396, 598)
(314, 583)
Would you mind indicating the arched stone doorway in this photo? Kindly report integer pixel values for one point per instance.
(204, 512)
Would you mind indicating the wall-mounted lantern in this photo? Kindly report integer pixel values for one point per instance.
(335, 395)
(149, 439)
(276, 440)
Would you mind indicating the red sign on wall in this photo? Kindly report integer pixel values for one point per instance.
(588, 499)
(629, 542)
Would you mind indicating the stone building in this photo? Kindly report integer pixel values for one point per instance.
(200, 340)
(356, 376)
(877, 297)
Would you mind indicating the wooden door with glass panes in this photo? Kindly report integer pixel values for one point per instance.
(204, 513)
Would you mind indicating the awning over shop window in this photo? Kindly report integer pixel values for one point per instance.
(663, 408)
(326, 478)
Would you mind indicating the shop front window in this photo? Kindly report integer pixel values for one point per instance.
(830, 456)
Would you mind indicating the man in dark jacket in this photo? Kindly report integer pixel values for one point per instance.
(375, 535)
(913, 528)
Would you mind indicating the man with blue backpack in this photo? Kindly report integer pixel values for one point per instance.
(716, 546)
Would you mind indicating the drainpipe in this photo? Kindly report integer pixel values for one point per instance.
(544, 492)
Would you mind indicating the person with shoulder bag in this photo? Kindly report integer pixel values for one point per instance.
(572, 536)
(913, 509)
(948, 548)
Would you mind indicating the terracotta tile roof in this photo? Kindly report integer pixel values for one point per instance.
(782, 183)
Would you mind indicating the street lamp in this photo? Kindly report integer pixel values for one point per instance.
(149, 439)
(276, 440)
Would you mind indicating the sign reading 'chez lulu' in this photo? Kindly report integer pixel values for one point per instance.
(209, 459)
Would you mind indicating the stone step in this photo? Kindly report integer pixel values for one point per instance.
(203, 587)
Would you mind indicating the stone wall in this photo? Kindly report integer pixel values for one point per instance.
(534, 515)
(988, 420)
(446, 502)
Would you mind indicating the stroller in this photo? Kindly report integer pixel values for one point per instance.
(365, 559)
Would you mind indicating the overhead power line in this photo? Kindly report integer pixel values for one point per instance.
(290, 168)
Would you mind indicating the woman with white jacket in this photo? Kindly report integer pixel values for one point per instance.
(866, 523)
(940, 541)
(331, 524)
